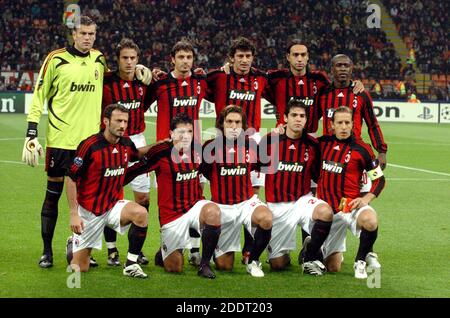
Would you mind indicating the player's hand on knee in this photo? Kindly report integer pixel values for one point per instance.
(143, 74)
(32, 150)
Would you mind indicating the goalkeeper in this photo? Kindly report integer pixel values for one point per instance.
(71, 80)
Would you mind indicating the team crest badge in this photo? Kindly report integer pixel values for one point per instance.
(199, 89)
(141, 91)
(306, 155)
(164, 247)
(355, 102)
(96, 74)
(78, 161)
(347, 157)
(255, 85)
(315, 88)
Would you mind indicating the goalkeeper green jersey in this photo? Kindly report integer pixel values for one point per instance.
(72, 84)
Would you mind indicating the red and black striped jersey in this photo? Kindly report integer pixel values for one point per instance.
(99, 169)
(132, 95)
(245, 91)
(227, 165)
(284, 86)
(295, 165)
(177, 175)
(361, 104)
(174, 96)
(341, 167)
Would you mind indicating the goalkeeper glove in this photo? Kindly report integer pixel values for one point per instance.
(32, 149)
(143, 74)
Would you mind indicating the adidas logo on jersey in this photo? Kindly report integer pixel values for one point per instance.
(187, 176)
(242, 95)
(341, 94)
(233, 171)
(290, 167)
(125, 85)
(114, 172)
(82, 87)
(185, 101)
(131, 105)
(331, 166)
(307, 101)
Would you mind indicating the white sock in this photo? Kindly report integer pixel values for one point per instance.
(195, 242)
(132, 257)
(111, 245)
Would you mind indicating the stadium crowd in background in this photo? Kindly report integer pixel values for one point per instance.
(331, 27)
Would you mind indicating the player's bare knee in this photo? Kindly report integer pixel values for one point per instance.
(224, 263)
(278, 264)
(264, 218)
(324, 213)
(212, 215)
(369, 221)
(333, 262)
(140, 217)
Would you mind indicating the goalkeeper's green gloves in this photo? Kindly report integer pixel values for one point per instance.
(143, 74)
(32, 149)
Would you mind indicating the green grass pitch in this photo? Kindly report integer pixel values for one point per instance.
(413, 243)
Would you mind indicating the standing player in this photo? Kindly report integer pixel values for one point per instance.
(71, 81)
(227, 162)
(339, 93)
(180, 200)
(244, 86)
(288, 192)
(94, 188)
(180, 91)
(344, 157)
(123, 88)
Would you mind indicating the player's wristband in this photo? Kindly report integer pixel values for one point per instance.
(32, 131)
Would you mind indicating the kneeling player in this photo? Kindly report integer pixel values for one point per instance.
(227, 162)
(181, 203)
(99, 171)
(343, 160)
(294, 163)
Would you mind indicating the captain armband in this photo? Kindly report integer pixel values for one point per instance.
(375, 173)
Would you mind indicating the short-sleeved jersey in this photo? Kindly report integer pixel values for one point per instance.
(99, 169)
(72, 84)
(284, 86)
(245, 91)
(174, 96)
(177, 175)
(227, 165)
(296, 164)
(361, 104)
(341, 167)
(131, 95)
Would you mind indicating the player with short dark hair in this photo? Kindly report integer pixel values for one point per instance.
(295, 158)
(180, 199)
(344, 157)
(124, 88)
(180, 91)
(227, 162)
(94, 191)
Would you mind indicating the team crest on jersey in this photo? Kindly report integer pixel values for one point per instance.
(306, 155)
(96, 74)
(78, 161)
(315, 88)
(141, 91)
(247, 156)
(199, 89)
(355, 102)
(255, 85)
(347, 156)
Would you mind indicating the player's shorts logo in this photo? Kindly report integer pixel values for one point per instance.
(164, 247)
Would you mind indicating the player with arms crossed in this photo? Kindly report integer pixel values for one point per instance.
(94, 189)
(180, 199)
(295, 162)
(344, 157)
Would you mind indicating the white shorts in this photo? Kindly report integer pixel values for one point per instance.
(140, 183)
(175, 235)
(286, 217)
(94, 225)
(336, 240)
(365, 183)
(232, 218)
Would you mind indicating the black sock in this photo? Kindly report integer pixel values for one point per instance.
(262, 238)
(366, 241)
(110, 237)
(319, 233)
(136, 239)
(210, 237)
(304, 235)
(193, 233)
(248, 241)
(49, 214)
